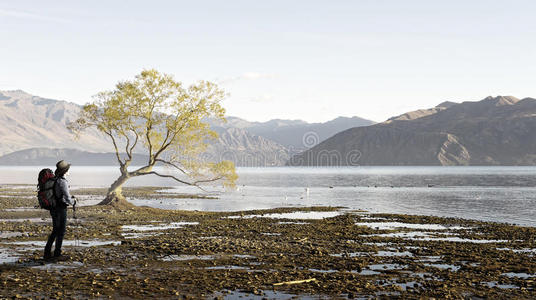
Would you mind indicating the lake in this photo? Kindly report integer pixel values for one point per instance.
(501, 194)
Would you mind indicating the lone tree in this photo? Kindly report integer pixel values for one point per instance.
(155, 113)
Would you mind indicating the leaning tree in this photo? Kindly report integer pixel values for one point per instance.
(156, 114)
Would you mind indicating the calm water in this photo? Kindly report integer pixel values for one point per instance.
(503, 194)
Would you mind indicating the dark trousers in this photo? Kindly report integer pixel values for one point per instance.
(59, 223)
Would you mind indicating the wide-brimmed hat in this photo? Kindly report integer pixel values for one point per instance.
(62, 167)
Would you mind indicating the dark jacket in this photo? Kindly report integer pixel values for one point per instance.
(62, 192)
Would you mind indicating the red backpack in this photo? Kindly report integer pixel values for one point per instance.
(46, 192)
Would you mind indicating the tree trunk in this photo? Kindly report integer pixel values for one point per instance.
(115, 196)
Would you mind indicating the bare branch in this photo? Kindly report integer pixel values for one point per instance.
(166, 176)
(133, 145)
(117, 155)
(195, 183)
(165, 146)
(140, 171)
(157, 154)
(148, 136)
(208, 180)
(172, 164)
(127, 147)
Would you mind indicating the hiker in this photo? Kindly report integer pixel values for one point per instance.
(59, 212)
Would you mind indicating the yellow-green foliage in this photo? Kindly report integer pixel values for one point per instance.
(157, 113)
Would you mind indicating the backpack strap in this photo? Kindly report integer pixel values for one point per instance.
(54, 189)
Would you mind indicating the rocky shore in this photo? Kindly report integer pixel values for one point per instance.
(315, 252)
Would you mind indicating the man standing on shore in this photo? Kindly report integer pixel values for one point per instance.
(59, 213)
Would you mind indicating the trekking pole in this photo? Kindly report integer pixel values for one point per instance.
(76, 240)
(74, 210)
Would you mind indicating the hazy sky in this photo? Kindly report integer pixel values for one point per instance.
(310, 60)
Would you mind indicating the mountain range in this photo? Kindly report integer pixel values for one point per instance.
(297, 135)
(494, 131)
(50, 156)
(30, 121)
(34, 129)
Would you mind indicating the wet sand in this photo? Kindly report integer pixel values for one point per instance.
(311, 252)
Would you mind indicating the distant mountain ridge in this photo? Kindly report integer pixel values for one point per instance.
(293, 133)
(30, 121)
(246, 149)
(34, 122)
(50, 156)
(494, 131)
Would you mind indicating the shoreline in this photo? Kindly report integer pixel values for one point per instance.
(146, 252)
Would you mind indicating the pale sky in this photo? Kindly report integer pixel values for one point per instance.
(309, 60)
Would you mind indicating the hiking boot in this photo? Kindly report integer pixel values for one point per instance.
(47, 257)
(61, 258)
